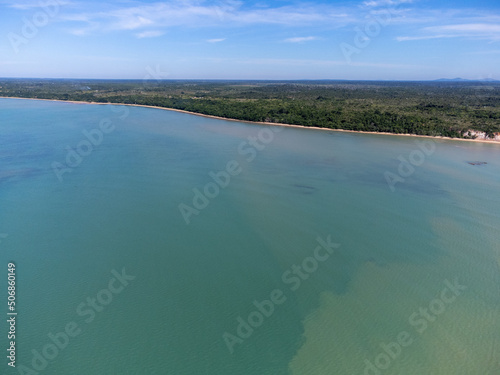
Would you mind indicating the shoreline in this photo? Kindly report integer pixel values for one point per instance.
(260, 122)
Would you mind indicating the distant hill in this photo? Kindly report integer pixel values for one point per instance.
(466, 80)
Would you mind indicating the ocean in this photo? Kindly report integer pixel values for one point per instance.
(148, 241)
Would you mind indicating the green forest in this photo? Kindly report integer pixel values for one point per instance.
(435, 108)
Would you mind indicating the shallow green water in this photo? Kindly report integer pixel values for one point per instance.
(398, 250)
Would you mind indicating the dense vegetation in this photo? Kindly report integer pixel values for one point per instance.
(425, 108)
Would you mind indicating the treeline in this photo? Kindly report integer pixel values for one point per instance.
(438, 109)
(280, 111)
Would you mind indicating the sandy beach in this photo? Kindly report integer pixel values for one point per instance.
(262, 123)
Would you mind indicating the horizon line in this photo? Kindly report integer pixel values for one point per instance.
(454, 80)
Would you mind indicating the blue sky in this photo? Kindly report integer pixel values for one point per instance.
(230, 39)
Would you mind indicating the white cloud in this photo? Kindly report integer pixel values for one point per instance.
(149, 20)
(300, 39)
(469, 30)
(216, 40)
(37, 4)
(75, 17)
(149, 34)
(79, 32)
(203, 13)
(472, 27)
(380, 3)
(134, 21)
(426, 37)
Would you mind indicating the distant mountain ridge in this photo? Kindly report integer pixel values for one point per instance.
(466, 80)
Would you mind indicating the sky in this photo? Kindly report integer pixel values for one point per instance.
(231, 39)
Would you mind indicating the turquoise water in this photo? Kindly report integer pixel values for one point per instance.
(117, 207)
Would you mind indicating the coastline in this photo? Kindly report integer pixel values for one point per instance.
(260, 122)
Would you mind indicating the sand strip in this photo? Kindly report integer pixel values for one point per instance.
(259, 122)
